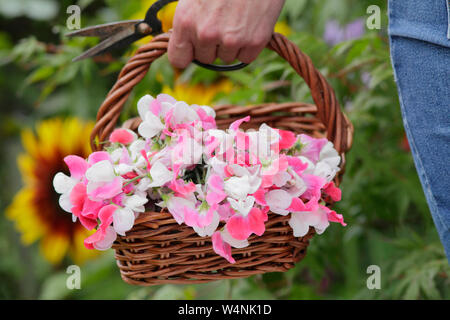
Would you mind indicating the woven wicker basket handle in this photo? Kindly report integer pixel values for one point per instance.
(339, 129)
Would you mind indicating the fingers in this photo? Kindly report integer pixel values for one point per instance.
(249, 54)
(180, 51)
(229, 49)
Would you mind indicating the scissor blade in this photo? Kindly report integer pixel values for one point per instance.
(104, 31)
(117, 40)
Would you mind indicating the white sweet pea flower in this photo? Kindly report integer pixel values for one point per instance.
(183, 113)
(295, 186)
(281, 178)
(123, 168)
(209, 111)
(123, 220)
(324, 170)
(160, 175)
(278, 201)
(237, 187)
(63, 184)
(116, 155)
(136, 202)
(135, 149)
(101, 171)
(65, 204)
(151, 126)
(242, 206)
(143, 105)
(209, 229)
(262, 140)
(253, 174)
(329, 155)
(301, 221)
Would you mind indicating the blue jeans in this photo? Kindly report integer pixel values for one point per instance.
(419, 33)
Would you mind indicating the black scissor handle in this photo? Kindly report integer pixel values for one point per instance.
(152, 20)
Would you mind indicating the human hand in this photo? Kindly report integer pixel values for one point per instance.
(227, 29)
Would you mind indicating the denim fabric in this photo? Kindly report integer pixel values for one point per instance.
(420, 52)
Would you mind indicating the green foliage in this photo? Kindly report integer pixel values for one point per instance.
(389, 224)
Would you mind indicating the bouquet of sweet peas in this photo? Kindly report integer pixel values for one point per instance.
(222, 183)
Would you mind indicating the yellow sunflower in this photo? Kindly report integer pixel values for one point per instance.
(35, 207)
(199, 93)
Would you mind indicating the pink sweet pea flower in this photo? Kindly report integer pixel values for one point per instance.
(64, 184)
(311, 147)
(287, 139)
(333, 191)
(203, 221)
(98, 156)
(314, 185)
(208, 121)
(222, 248)
(83, 207)
(225, 211)
(193, 217)
(241, 227)
(105, 235)
(297, 164)
(77, 166)
(236, 124)
(123, 136)
(333, 216)
(103, 184)
(215, 187)
(182, 188)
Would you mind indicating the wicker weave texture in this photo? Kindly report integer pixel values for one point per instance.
(158, 250)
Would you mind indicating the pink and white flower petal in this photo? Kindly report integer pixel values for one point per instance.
(216, 191)
(102, 171)
(221, 247)
(98, 156)
(278, 201)
(143, 105)
(98, 191)
(242, 206)
(238, 244)
(151, 126)
(333, 191)
(77, 166)
(237, 187)
(108, 239)
(176, 206)
(240, 227)
(183, 113)
(311, 147)
(209, 229)
(301, 221)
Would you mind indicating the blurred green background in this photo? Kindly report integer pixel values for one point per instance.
(389, 224)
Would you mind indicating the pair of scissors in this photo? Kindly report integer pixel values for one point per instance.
(123, 33)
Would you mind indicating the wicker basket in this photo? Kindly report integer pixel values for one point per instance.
(158, 250)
